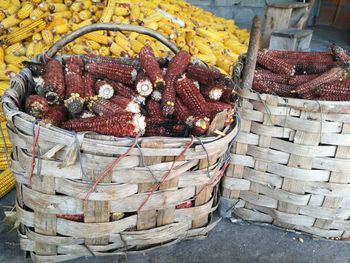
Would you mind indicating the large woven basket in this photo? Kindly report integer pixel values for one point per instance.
(290, 164)
(69, 164)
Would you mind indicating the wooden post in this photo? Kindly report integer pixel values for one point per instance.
(249, 68)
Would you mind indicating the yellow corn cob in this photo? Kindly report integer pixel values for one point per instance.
(2, 15)
(38, 48)
(122, 41)
(81, 24)
(136, 46)
(36, 1)
(93, 9)
(2, 54)
(57, 7)
(108, 11)
(98, 15)
(85, 4)
(202, 46)
(44, 6)
(17, 61)
(47, 37)
(37, 37)
(68, 3)
(181, 42)
(135, 12)
(152, 25)
(104, 51)
(75, 18)
(12, 68)
(121, 11)
(133, 35)
(4, 85)
(61, 29)
(115, 49)
(144, 39)
(17, 49)
(25, 11)
(85, 14)
(90, 43)
(206, 33)
(80, 49)
(76, 7)
(4, 4)
(95, 36)
(30, 51)
(25, 22)
(56, 38)
(2, 68)
(4, 76)
(194, 51)
(64, 14)
(7, 182)
(225, 64)
(10, 21)
(23, 33)
(147, 11)
(155, 17)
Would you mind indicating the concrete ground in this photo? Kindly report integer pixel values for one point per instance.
(227, 242)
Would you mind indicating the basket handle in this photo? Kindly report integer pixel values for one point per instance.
(110, 27)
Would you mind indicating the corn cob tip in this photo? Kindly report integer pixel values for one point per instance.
(74, 104)
(106, 91)
(139, 121)
(157, 95)
(52, 97)
(200, 126)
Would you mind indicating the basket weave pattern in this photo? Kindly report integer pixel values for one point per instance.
(290, 164)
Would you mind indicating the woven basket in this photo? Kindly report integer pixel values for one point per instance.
(69, 163)
(290, 164)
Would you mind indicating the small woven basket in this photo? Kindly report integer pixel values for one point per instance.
(69, 163)
(290, 164)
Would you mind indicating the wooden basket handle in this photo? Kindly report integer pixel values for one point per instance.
(110, 27)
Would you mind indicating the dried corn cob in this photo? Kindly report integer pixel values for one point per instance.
(202, 74)
(55, 115)
(123, 124)
(296, 57)
(307, 89)
(276, 65)
(36, 106)
(340, 54)
(54, 84)
(199, 126)
(124, 61)
(74, 85)
(89, 83)
(125, 91)
(191, 96)
(7, 182)
(313, 68)
(176, 67)
(104, 89)
(129, 105)
(76, 218)
(216, 107)
(270, 87)
(267, 75)
(25, 11)
(297, 80)
(165, 127)
(103, 107)
(336, 91)
(118, 72)
(154, 109)
(144, 85)
(151, 67)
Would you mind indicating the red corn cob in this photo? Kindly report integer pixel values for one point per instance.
(77, 218)
(122, 90)
(340, 54)
(118, 72)
(154, 109)
(36, 106)
(182, 112)
(313, 68)
(297, 80)
(56, 115)
(267, 75)
(276, 65)
(129, 105)
(89, 83)
(54, 84)
(216, 107)
(103, 107)
(337, 91)
(135, 63)
(123, 124)
(74, 85)
(165, 127)
(191, 96)
(202, 74)
(200, 126)
(104, 89)
(269, 87)
(212, 92)
(186, 204)
(143, 85)
(295, 57)
(177, 66)
(229, 95)
(306, 90)
(150, 65)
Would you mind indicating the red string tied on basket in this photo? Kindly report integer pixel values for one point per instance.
(109, 168)
(32, 162)
(167, 174)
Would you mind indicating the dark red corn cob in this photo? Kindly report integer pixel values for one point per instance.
(202, 74)
(313, 68)
(182, 112)
(123, 90)
(54, 84)
(123, 124)
(186, 204)
(118, 72)
(216, 107)
(144, 85)
(129, 105)
(56, 115)
(103, 107)
(135, 63)
(276, 65)
(150, 65)
(165, 127)
(340, 53)
(297, 80)
(76, 218)
(75, 89)
(295, 57)
(36, 106)
(337, 91)
(267, 75)
(307, 90)
(89, 84)
(229, 95)
(269, 87)
(154, 109)
(191, 96)
(200, 126)
(104, 89)
(177, 66)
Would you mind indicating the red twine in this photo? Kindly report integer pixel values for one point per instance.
(32, 162)
(167, 174)
(109, 168)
